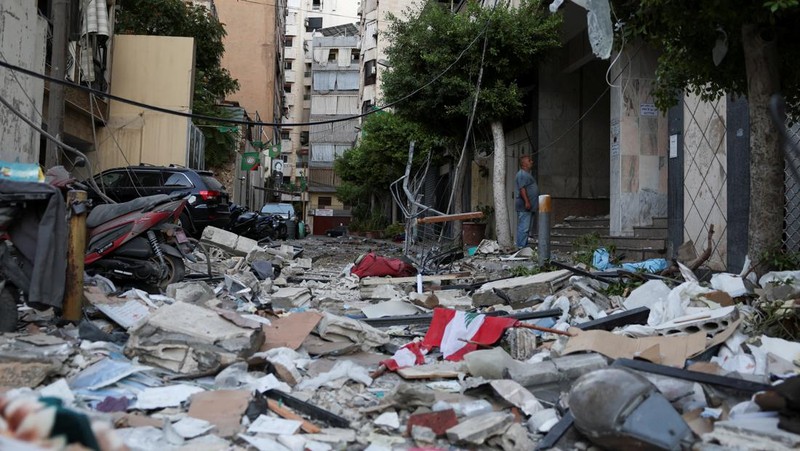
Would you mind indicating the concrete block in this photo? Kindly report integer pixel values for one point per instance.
(476, 430)
(191, 292)
(535, 374)
(519, 289)
(576, 365)
(220, 238)
(439, 422)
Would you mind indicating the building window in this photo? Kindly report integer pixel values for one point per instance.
(313, 23)
(308, 70)
(287, 88)
(287, 65)
(285, 134)
(306, 96)
(304, 138)
(355, 55)
(316, 5)
(325, 201)
(370, 72)
(333, 55)
(287, 180)
(366, 107)
(288, 41)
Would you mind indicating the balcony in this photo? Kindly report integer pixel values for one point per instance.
(289, 53)
(290, 76)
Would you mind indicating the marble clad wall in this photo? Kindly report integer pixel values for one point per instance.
(639, 144)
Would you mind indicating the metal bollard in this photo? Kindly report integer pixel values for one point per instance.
(73, 294)
(544, 229)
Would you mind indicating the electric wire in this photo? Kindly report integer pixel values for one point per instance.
(110, 96)
(57, 141)
(131, 174)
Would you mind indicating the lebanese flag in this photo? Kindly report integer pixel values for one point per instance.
(447, 329)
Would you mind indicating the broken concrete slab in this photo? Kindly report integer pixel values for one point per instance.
(197, 292)
(290, 297)
(513, 439)
(336, 328)
(228, 241)
(475, 430)
(519, 289)
(752, 434)
(187, 339)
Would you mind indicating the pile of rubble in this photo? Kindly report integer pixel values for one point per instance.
(282, 348)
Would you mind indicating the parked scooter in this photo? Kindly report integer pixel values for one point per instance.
(138, 240)
(255, 225)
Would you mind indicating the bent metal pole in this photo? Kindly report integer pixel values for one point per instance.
(544, 229)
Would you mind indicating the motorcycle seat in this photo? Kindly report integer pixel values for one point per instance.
(106, 212)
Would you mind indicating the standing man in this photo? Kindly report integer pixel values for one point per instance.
(527, 201)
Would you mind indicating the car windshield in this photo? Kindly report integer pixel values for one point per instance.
(279, 209)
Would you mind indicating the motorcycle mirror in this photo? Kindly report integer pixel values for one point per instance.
(80, 162)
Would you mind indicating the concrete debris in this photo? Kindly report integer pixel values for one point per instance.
(278, 347)
(474, 431)
(290, 298)
(188, 339)
(519, 289)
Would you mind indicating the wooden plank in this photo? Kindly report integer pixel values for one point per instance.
(446, 218)
(307, 426)
(385, 280)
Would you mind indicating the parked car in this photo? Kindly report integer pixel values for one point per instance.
(208, 200)
(286, 211)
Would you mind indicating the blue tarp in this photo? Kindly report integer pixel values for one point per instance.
(601, 261)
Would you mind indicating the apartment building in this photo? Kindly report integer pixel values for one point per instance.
(303, 19)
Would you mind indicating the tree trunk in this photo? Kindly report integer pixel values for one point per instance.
(765, 227)
(499, 185)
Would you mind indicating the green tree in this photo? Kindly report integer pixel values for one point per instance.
(212, 82)
(496, 49)
(380, 158)
(760, 57)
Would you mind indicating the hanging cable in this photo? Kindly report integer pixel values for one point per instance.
(60, 144)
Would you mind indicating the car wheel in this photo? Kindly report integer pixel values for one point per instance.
(8, 310)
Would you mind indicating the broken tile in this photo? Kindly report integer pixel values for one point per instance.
(439, 422)
(475, 430)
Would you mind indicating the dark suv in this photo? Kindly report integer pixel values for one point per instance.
(207, 205)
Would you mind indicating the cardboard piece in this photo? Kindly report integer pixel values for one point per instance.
(223, 408)
(290, 331)
(672, 350)
(125, 312)
(720, 297)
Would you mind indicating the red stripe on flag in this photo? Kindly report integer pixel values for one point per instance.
(441, 316)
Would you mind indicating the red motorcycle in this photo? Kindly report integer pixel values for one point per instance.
(138, 240)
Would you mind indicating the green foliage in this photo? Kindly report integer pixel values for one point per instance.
(781, 260)
(394, 229)
(433, 38)
(685, 32)
(212, 82)
(522, 271)
(585, 245)
(487, 211)
(776, 318)
(381, 156)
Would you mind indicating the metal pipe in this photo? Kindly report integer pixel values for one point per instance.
(545, 206)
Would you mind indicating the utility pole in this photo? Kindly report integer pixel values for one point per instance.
(59, 15)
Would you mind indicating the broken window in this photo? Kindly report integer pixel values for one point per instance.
(370, 72)
(304, 138)
(313, 23)
(333, 55)
(354, 55)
